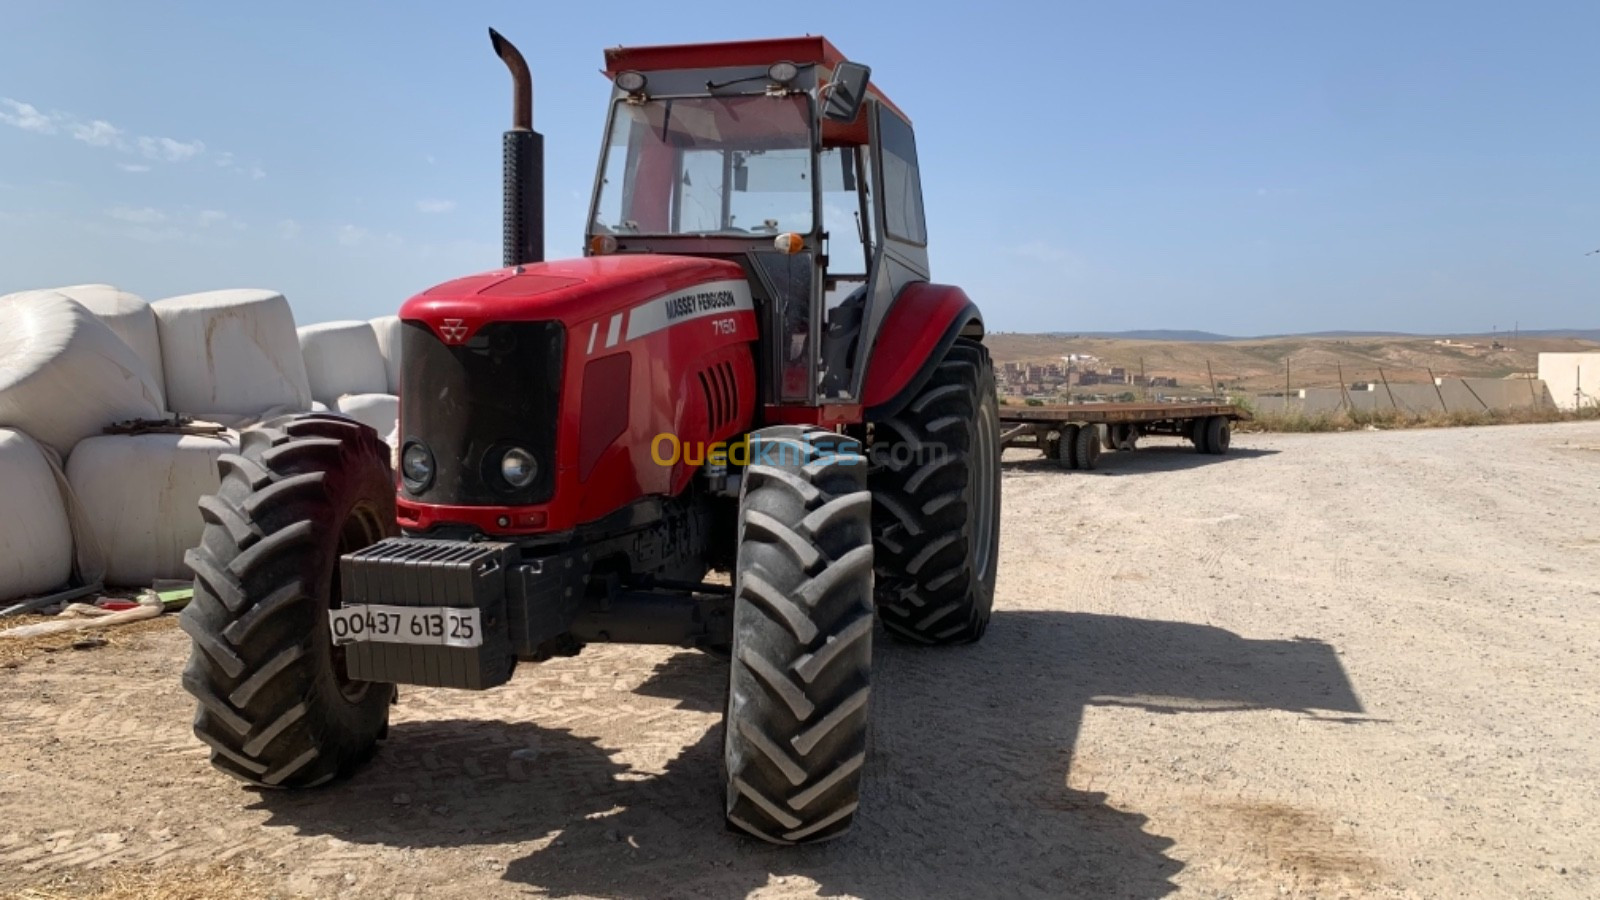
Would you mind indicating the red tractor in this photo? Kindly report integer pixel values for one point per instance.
(747, 371)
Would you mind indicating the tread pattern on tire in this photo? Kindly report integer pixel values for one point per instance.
(796, 728)
(268, 703)
(928, 588)
(1086, 448)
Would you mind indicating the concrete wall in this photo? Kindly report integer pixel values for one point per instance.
(1563, 371)
(1459, 395)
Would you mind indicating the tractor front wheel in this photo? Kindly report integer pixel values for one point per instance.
(796, 728)
(274, 703)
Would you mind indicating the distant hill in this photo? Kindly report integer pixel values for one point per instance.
(1207, 337)
(1263, 363)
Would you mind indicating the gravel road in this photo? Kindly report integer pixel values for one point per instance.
(1354, 664)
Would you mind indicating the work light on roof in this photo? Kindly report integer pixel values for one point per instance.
(630, 81)
(783, 72)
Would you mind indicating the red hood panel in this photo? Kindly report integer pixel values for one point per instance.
(566, 291)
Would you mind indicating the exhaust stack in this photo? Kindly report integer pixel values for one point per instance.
(523, 150)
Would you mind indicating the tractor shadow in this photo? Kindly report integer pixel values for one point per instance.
(966, 791)
(1150, 458)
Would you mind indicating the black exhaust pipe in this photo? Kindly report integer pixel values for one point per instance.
(523, 150)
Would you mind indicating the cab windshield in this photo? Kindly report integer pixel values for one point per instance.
(708, 166)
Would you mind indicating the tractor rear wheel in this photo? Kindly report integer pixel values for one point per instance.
(274, 703)
(796, 728)
(935, 482)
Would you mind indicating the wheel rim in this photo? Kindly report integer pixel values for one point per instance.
(983, 495)
(361, 529)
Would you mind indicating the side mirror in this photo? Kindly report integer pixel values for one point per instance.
(846, 92)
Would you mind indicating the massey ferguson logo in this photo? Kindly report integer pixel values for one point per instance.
(454, 331)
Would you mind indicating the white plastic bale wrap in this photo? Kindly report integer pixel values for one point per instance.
(129, 317)
(35, 536)
(388, 329)
(231, 353)
(142, 495)
(342, 358)
(64, 375)
(380, 411)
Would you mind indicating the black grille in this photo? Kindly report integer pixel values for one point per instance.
(471, 403)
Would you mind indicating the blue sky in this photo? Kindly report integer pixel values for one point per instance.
(1237, 167)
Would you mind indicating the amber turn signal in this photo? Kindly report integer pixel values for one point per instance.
(789, 242)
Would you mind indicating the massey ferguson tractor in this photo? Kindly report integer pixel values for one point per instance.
(747, 371)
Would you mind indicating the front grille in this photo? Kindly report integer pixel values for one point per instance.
(471, 403)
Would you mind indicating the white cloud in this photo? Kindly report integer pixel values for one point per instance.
(133, 167)
(143, 215)
(210, 217)
(436, 206)
(25, 116)
(98, 133)
(169, 150)
(353, 236)
(288, 229)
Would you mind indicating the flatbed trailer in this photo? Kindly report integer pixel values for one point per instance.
(1074, 434)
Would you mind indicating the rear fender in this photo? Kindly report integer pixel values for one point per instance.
(919, 329)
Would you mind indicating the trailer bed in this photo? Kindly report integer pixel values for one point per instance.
(1075, 434)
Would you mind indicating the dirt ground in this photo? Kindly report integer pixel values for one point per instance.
(1325, 665)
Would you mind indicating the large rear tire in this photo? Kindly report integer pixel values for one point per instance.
(796, 729)
(935, 481)
(274, 704)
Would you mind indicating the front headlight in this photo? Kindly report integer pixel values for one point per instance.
(416, 466)
(518, 467)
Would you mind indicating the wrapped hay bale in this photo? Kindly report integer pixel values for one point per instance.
(388, 329)
(64, 375)
(381, 412)
(35, 535)
(129, 317)
(342, 358)
(141, 496)
(231, 353)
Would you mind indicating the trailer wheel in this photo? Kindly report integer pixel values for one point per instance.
(1066, 448)
(1086, 449)
(796, 730)
(936, 517)
(1219, 434)
(1198, 430)
(275, 705)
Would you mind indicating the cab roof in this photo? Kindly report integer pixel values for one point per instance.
(817, 50)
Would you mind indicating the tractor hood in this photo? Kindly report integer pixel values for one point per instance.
(568, 291)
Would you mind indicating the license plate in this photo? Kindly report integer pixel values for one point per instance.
(434, 626)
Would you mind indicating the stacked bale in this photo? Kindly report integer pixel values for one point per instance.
(142, 494)
(388, 330)
(129, 317)
(64, 375)
(35, 535)
(378, 411)
(231, 354)
(342, 358)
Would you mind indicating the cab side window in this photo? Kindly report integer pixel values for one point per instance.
(901, 182)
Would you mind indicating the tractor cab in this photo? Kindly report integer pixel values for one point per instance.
(779, 156)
